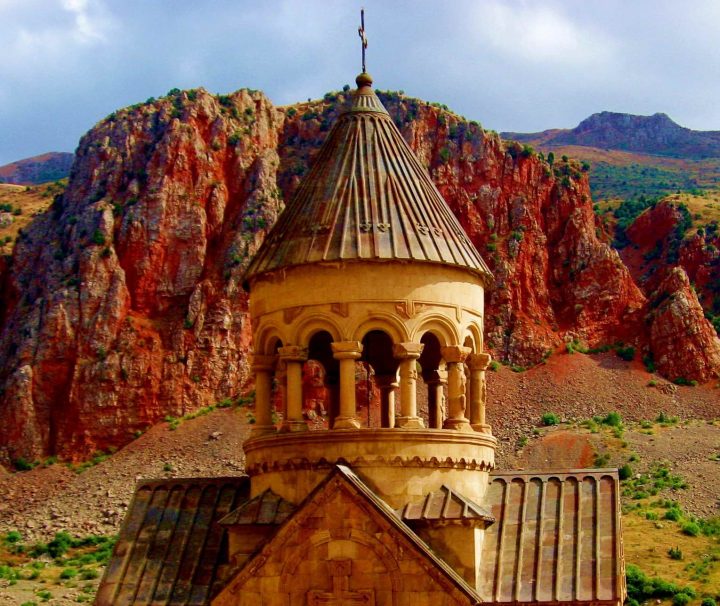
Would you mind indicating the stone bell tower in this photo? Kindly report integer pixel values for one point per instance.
(368, 263)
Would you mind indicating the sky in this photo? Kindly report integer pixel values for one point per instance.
(512, 65)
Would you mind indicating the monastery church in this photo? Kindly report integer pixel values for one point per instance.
(370, 496)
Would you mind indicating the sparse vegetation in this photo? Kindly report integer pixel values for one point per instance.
(549, 418)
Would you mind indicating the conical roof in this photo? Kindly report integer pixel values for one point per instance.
(368, 198)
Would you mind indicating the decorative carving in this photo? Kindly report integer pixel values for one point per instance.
(291, 313)
(407, 350)
(403, 309)
(423, 229)
(293, 353)
(340, 309)
(383, 227)
(377, 461)
(365, 226)
(454, 353)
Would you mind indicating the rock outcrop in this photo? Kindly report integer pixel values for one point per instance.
(685, 346)
(123, 304)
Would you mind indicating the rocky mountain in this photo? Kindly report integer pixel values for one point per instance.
(38, 169)
(123, 302)
(656, 134)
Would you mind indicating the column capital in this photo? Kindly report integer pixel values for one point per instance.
(479, 361)
(454, 353)
(263, 362)
(403, 351)
(293, 353)
(346, 350)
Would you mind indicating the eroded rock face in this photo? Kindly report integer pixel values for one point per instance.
(123, 302)
(681, 339)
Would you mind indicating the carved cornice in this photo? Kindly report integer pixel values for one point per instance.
(416, 462)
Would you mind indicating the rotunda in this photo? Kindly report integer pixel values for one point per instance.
(367, 263)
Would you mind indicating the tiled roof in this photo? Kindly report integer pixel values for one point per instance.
(444, 504)
(367, 197)
(170, 544)
(266, 508)
(557, 538)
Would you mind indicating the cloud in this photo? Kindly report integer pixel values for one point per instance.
(538, 33)
(91, 20)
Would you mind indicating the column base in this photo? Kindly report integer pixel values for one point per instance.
(409, 422)
(482, 428)
(262, 430)
(346, 423)
(461, 424)
(293, 426)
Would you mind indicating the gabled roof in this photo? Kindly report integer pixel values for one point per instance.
(170, 545)
(444, 505)
(366, 198)
(557, 538)
(344, 476)
(266, 508)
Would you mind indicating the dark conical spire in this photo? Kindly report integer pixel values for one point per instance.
(366, 198)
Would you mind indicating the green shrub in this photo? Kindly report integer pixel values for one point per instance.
(22, 464)
(680, 599)
(692, 529)
(675, 553)
(708, 602)
(12, 537)
(549, 418)
(98, 238)
(59, 546)
(68, 573)
(613, 419)
(89, 574)
(625, 472)
(673, 514)
(626, 353)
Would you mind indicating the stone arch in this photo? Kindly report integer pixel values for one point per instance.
(320, 377)
(268, 338)
(385, 322)
(314, 324)
(377, 356)
(474, 332)
(440, 326)
(323, 537)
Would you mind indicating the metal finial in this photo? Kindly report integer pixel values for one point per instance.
(361, 33)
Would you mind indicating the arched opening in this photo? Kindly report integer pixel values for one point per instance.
(431, 396)
(321, 382)
(277, 393)
(376, 390)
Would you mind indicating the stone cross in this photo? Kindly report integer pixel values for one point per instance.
(340, 571)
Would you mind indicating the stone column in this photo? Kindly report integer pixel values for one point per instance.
(347, 352)
(263, 367)
(454, 357)
(478, 364)
(387, 384)
(436, 380)
(293, 356)
(408, 354)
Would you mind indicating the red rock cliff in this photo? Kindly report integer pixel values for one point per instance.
(123, 302)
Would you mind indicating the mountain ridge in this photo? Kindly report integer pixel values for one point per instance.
(656, 134)
(35, 170)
